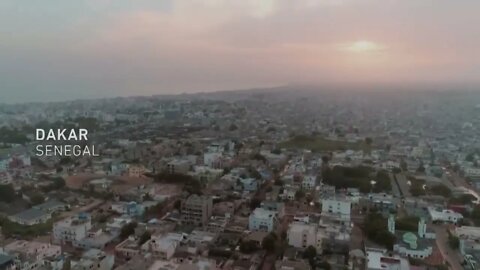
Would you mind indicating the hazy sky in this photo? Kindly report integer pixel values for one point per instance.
(66, 49)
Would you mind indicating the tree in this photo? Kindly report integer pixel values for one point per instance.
(300, 194)
(375, 227)
(268, 243)
(7, 193)
(127, 230)
(453, 241)
(144, 238)
(248, 246)
(37, 198)
(368, 141)
(403, 165)
(310, 253)
(255, 202)
(178, 205)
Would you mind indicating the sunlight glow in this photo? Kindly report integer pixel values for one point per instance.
(362, 46)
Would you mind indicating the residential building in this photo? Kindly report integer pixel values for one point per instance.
(338, 207)
(197, 210)
(302, 235)
(31, 217)
(262, 220)
(72, 229)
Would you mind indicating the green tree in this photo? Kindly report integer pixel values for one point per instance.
(37, 198)
(268, 243)
(144, 238)
(7, 193)
(248, 247)
(127, 230)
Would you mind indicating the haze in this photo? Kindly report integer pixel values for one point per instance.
(57, 50)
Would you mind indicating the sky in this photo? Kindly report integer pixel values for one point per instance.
(59, 50)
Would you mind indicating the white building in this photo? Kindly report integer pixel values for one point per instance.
(309, 182)
(30, 255)
(301, 235)
(161, 247)
(445, 215)
(337, 207)
(262, 220)
(72, 229)
(379, 259)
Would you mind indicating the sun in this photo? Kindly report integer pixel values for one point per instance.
(362, 46)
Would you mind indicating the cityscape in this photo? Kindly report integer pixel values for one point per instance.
(254, 179)
(239, 135)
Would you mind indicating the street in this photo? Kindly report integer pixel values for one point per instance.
(451, 256)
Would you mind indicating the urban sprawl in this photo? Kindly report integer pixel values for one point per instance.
(283, 178)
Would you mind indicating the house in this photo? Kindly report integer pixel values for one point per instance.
(197, 210)
(445, 215)
(302, 235)
(262, 220)
(162, 247)
(338, 207)
(52, 206)
(31, 217)
(278, 207)
(309, 182)
(72, 229)
(94, 259)
(247, 184)
(132, 209)
(379, 259)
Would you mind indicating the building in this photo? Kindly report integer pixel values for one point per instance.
(178, 166)
(72, 229)
(132, 209)
(379, 259)
(30, 255)
(262, 220)
(302, 235)
(52, 206)
(6, 262)
(309, 182)
(338, 207)
(278, 207)
(162, 247)
(445, 215)
(94, 259)
(197, 210)
(31, 217)
(418, 246)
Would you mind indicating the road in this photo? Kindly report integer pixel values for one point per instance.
(452, 256)
(402, 183)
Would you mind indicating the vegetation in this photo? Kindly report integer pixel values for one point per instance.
(416, 187)
(144, 238)
(13, 136)
(12, 229)
(268, 243)
(310, 253)
(37, 198)
(127, 230)
(7, 193)
(191, 185)
(441, 190)
(320, 144)
(357, 177)
(57, 183)
(248, 247)
(463, 199)
(375, 228)
(408, 223)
